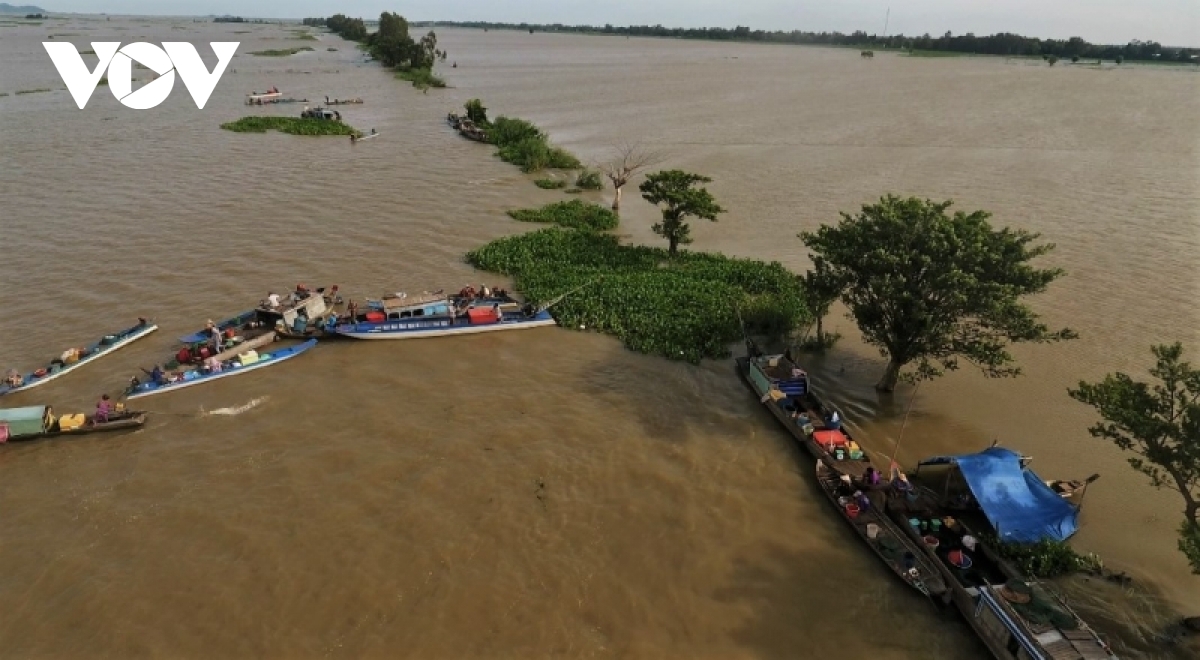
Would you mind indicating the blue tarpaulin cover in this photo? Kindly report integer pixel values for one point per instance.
(1021, 507)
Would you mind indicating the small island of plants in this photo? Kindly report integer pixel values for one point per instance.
(687, 306)
(518, 142)
(279, 52)
(291, 125)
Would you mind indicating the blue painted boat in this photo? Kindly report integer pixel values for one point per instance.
(291, 318)
(239, 365)
(437, 315)
(61, 367)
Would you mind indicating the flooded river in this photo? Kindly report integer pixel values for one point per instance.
(543, 493)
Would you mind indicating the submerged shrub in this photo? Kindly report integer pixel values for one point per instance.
(292, 125)
(589, 180)
(574, 213)
(550, 184)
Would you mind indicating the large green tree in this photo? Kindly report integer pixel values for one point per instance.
(677, 193)
(929, 288)
(1160, 423)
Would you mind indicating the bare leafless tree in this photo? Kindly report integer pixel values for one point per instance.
(626, 161)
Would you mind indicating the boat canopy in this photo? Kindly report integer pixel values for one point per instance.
(29, 420)
(1021, 507)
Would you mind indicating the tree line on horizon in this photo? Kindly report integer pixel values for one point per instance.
(1004, 43)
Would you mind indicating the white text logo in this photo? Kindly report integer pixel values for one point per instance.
(173, 56)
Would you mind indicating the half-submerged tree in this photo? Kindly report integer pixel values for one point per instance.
(476, 112)
(821, 288)
(676, 191)
(627, 161)
(1160, 423)
(928, 288)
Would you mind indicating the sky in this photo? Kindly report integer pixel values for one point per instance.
(1170, 22)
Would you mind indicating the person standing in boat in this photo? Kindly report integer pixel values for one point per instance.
(214, 334)
(273, 299)
(103, 407)
(14, 378)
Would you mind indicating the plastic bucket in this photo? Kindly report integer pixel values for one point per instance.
(931, 542)
(852, 510)
(935, 525)
(914, 523)
(872, 530)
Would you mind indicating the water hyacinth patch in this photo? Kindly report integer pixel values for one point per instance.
(685, 308)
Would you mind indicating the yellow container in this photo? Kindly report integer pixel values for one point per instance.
(71, 422)
(247, 358)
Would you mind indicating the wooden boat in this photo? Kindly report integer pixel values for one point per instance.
(401, 316)
(65, 364)
(294, 317)
(368, 136)
(245, 362)
(273, 101)
(37, 422)
(785, 389)
(1016, 618)
(268, 95)
(866, 515)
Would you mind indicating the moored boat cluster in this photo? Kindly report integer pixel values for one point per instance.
(278, 329)
(928, 539)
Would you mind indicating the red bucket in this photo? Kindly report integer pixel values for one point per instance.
(852, 510)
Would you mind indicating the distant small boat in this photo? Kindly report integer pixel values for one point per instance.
(268, 95)
(401, 316)
(353, 101)
(61, 366)
(271, 101)
(36, 422)
(246, 362)
(368, 136)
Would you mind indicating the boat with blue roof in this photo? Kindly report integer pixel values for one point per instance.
(437, 314)
(74, 358)
(1016, 617)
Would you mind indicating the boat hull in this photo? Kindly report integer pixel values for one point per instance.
(128, 336)
(128, 421)
(283, 355)
(401, 330)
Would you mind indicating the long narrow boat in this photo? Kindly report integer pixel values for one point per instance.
(866, 515)
(79, 357)
(401, 316)
(785, 389)
(1016, 618)
(244, 363)
(291, 318)
(37, 422)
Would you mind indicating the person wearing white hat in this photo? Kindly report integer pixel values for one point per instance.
(969, 542)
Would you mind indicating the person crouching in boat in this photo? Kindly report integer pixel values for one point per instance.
(835, 422)
(14, 378)
(156, 376)
(214, 336)
(103, 407)
(484, 291)
(272, 299)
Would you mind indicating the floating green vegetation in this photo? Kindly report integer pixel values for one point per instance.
(526, 146)
(291, 125)
(103, 80)
(303, 35)
(280, 52)
(589, 180)
(235, 31)
(34, 91)
(574, 213)
(331, 49)
(682, 308)
(550, 184)
(87, 52)
(3, 93)
(1047, 558)
(573, 191)
(420, 78)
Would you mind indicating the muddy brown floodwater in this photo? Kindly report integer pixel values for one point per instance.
(381, 499)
